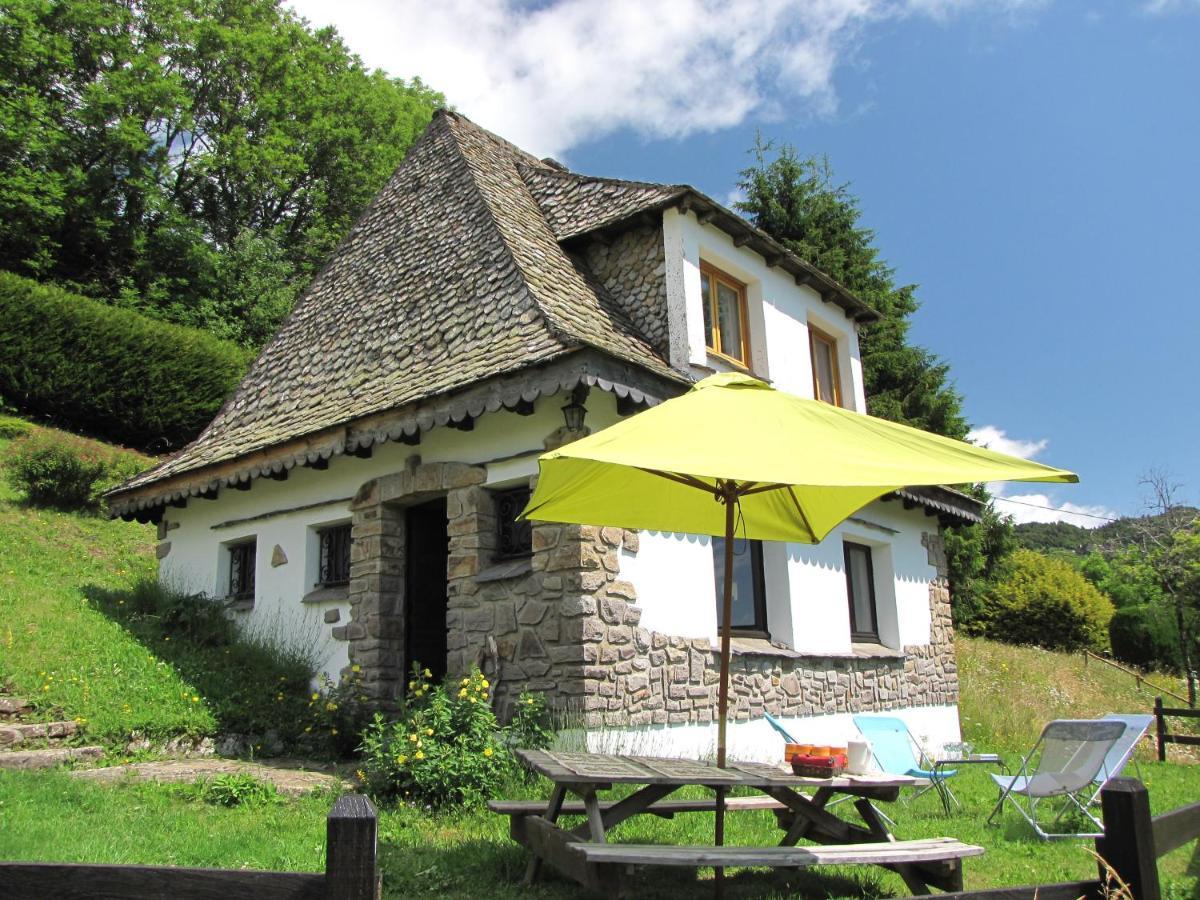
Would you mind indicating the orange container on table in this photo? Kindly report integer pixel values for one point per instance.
(793, 750)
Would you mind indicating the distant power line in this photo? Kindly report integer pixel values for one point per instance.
(1069, 512)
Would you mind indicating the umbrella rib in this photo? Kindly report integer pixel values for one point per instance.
(800, 510)
(688, 480)
(761, 488)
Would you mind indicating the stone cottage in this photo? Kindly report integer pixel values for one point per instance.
(360, 490)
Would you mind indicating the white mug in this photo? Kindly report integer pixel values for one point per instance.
(858, 757)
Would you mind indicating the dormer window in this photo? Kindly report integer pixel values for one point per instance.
(724, 301)
(826, 384)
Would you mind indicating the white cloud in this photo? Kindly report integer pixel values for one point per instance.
(997, 439)
(1033, 507)
(552, 75)
(1044, 508)
(1156, 7)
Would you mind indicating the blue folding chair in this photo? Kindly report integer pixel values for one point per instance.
(897, 752)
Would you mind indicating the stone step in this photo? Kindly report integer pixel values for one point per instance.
(48, 759)
(11, 707)
(14, 733)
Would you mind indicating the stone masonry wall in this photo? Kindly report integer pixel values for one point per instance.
(634, 270)
(564, 623)
(637, 677)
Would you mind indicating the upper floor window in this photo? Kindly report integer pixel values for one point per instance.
(860, 588)
(725, 324)
(749, 610)
(335, 556)
(241, 570)
(826, 384)
(514, 537)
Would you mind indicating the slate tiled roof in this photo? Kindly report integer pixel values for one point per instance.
(452, 275)
(456, 282)
(577, 204)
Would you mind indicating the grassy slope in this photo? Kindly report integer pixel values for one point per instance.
(58, 650)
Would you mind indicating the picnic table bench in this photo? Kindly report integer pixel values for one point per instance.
(583, 853)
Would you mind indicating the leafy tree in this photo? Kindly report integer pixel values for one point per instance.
(797, 201)
(1036, 599)
(143, 140)
(974, 554)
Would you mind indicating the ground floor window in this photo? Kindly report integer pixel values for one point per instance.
(860, 589)
(749, 610)
(514, 537)
(335, 556)
(241, 570)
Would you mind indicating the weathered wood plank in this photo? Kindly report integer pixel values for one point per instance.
(931, 850)
(1074, 890)
(1175, 828)
(560, 849)
(36, 881)
(1127, 844)
(664, 808)
(350, 871)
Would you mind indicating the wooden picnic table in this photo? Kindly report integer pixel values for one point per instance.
(582, 853)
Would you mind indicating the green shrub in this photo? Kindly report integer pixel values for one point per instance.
(53, 468)
(447, 748)
(108, 371)
(1146, 636)
(235, 789)
(12, 427)
(1035, 599)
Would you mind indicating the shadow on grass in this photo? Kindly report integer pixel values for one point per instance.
(253, 685)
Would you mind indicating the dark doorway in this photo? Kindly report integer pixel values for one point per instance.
(425, 587)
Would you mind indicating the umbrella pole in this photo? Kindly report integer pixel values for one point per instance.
(729, 494)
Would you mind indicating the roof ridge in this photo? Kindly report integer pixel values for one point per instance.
(604, 179)
(508, 145)
(557, 330)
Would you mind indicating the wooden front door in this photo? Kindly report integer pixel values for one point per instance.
(425, 587)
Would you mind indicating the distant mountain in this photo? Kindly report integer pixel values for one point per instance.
(1127, 531)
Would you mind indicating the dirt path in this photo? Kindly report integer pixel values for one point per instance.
(291, 777)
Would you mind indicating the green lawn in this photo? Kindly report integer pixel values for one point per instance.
(58, 646)
(54, 817)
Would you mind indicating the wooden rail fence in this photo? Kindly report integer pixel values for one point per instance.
(350, 872)
(1133, 841)
(1161, 713)
(1132, 673)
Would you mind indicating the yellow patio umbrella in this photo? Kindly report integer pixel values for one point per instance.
(733, 451)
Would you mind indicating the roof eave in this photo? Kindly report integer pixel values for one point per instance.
(952, 507)
(710, 212)
(146, 502)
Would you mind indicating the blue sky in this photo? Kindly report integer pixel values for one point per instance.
(1031, 165)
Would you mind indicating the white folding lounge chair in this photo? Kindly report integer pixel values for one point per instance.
(1121, 754)
(1068, 756)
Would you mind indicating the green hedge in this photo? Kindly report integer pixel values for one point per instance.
(1146, 636)
(108, 371)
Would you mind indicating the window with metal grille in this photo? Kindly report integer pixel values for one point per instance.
(513, 538)
(335, 556)
(241, 570)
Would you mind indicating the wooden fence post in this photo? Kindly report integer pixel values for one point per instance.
(1160, 729)
(350, 872)
(1128, 841)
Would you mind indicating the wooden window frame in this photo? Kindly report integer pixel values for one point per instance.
(244, 588)
(759, 627)
(716, 275)
(815, 336)
(329, 539)
(857, 635)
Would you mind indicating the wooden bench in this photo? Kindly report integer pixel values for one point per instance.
(665, 809)
(940, 858)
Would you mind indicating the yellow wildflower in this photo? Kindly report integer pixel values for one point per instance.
(316, 696)
(466, 681)
(484, 682)
(330, 706)
(427, 674)
(429, 732)
(463, 692)
(420, 754)
(356, 668)
(401, 759)
(487, 751)
(413, 738)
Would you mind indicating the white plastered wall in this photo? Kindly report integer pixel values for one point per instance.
(807, 603)
(779, 311)
(288, 513)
